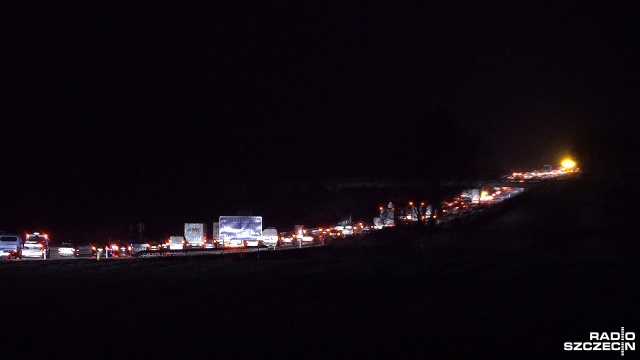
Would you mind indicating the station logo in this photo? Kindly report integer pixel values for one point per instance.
(606, 341)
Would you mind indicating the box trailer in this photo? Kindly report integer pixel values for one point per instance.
(195, 235)
(240, 231)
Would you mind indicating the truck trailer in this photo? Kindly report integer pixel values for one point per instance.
(240, 231)
(215, 233)
(195, 235)
(10, 246)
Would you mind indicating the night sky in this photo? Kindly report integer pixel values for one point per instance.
(112, 110)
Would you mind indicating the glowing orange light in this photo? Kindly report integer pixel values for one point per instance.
(568, 163)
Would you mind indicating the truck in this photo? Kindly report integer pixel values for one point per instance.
(10, 246)
(215, 233)
(387, 215)
(195, 235)
(270, 237)
(240, 231)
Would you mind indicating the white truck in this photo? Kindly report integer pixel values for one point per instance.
(195, 235)
(240, 231)
(10, 246)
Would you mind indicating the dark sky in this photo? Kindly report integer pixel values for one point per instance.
(116, 108)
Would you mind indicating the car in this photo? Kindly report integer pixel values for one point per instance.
(98, 246)
(287, 238)
(324, 235)
(308, 239)
(335, 233)
(138, 248)
(103, 248)
(155, 246)
(176, 242)
(67, 249)
(347, 230)
(119, 248)
(84, 250)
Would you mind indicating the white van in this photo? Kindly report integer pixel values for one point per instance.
(35, 248)
(270, 237)
(176, 242)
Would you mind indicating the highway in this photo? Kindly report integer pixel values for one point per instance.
(459, 208)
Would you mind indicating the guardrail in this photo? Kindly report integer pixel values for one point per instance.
(198, 252)
(186, 252)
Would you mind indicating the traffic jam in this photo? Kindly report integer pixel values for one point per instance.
(246, 233)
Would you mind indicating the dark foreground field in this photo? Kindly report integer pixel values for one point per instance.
(550, 268)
